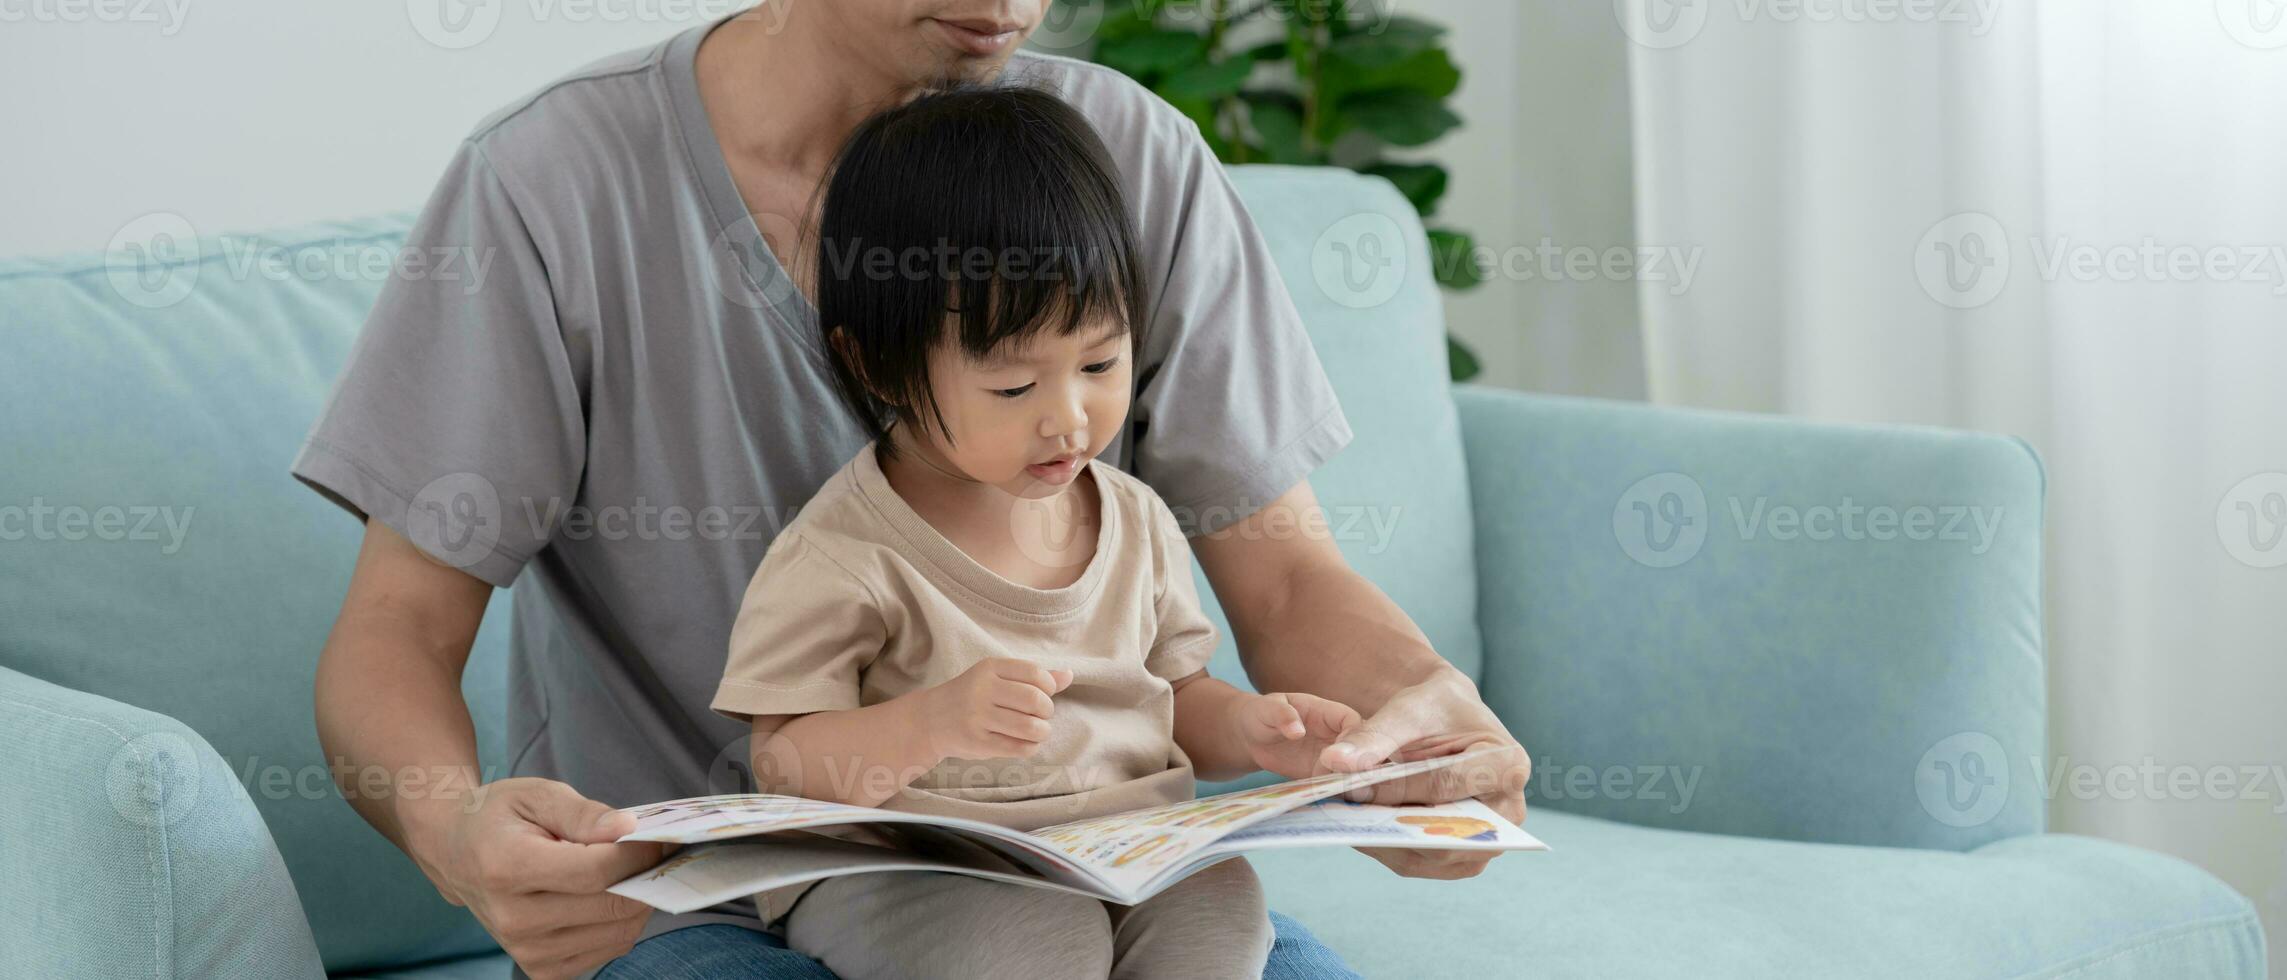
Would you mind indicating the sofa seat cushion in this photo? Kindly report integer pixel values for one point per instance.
(1617, 900)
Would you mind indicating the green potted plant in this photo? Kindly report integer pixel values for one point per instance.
(1321, 82)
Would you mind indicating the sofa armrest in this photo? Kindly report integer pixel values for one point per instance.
(132, 849)
(1753, 625)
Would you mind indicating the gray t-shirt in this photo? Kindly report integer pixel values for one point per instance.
(634, 401)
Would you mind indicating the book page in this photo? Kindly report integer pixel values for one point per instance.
(1129, 850)
(705, 875)
(1466, 825)
(705, 819)
(1460, 825)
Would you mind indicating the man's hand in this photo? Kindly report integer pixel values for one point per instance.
(531, 858)
(1439, 716)
(1289, 733)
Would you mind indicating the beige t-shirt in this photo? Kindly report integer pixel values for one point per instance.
(860, 600)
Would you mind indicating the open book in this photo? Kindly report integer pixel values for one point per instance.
(1123, 857)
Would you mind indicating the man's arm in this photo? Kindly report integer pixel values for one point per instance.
(1304, 620)
(530, 857)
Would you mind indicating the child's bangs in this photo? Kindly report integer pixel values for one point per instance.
(1061, 288)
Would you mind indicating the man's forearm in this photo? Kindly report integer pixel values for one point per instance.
(1332, 633)
(394, 727)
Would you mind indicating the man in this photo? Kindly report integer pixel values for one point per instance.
(638, 400)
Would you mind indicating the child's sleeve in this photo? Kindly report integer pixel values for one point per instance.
(1186, 638)
(805, 630)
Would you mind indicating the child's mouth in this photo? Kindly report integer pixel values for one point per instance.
(1056, 472)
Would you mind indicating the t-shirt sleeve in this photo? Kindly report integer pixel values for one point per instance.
(458, 416)
(1186, 638)
(805, 633)
(1233, 408)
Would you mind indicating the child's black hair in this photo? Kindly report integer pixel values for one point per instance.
(994, 202)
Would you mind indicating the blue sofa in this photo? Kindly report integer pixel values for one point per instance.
(1777, 734)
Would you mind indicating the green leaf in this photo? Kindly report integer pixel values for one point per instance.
(1452, 258)
(1268, 51)
(1277, 120)
(1460, 362)
(1374, 50)
(1150, 52)
(1421, 183)
(1400, 117)
(1208, 80)
(1430, 72)
(1403, 26)
(1123, 18)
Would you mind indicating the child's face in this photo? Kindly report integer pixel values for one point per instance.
(1058, 396)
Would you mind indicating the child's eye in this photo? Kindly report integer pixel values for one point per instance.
(1101, 366)
(1013, 392)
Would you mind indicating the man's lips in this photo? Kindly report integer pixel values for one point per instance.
(979, 36)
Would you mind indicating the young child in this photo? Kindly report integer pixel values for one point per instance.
(975, 617)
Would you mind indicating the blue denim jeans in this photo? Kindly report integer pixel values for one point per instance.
(708, 952)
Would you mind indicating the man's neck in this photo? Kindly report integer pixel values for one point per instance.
(791, 91)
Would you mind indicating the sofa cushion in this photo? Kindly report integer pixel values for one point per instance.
(160, 555)
(124, 817)
(1616, 900)
(1354, 257)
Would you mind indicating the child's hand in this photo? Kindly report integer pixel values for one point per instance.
(997, 709)
(1285, 733)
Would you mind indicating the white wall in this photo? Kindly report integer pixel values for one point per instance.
(256, 113)
(251, 114)
(1543, 156)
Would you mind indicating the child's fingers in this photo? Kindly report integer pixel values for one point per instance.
(1048, 681)
(1017, 725)
(1023, 697)
(1329, 719)
(1272, 719)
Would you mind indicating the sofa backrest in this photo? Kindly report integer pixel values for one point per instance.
(162, 556)
(154, 550)
(1356, 261)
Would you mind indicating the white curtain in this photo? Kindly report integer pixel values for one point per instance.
(2066, 221)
